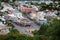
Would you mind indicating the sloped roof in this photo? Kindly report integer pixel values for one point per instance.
(5, 27)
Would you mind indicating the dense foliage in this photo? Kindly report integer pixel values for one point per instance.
(14, 35)
(49, 32)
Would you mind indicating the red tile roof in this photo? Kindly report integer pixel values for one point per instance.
(3, 28)
(27, 10)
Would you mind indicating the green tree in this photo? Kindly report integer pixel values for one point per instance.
(50, 32)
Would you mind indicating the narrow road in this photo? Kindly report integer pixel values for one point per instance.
(25, 30)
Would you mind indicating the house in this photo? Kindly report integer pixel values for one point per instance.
(26, 9)
(23, 22)
(2, 18)
(35, 7)
(40, 15)
(4, 29)
(11, 11)
(18, 15)
(6, 7)
(32, 15)
(14, 16)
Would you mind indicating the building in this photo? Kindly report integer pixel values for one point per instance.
(5, 29)
(26, 10)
